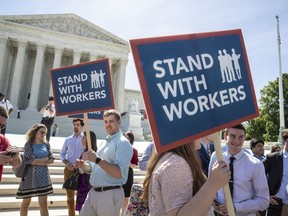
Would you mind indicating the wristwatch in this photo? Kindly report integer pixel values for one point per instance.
(97, 161)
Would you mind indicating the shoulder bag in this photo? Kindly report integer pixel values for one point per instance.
(72, 183)
(20, 171)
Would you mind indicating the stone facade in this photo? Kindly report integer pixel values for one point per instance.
(30, 45)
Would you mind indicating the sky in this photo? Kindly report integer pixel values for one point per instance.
(133, 19)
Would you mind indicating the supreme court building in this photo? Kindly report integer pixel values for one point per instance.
(30, 45)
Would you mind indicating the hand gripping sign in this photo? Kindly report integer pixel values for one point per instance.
(194, 85)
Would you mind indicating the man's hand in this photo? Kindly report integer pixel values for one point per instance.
(273, 201)
(68, 165)
(4, 158)
(220, 208)
(90, 156)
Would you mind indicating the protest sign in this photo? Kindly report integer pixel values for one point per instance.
(194, 85)
(91, 115)
(82, 88)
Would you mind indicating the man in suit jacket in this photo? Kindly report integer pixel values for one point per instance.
(275, 175)
(207, 148)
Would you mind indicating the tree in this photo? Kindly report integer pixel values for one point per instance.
(266, 126)
(256, 129)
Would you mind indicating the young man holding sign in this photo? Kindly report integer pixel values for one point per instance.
(248, 184)
(109, 170)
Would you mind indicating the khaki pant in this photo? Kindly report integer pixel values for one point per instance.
(107, 203)
(70, 194)
(284, 210)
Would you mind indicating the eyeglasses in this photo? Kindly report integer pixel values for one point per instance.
(2, 126)
(43, 132)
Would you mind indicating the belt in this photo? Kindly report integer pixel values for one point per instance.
(101, 189)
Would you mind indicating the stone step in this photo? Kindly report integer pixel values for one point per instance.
(10, 202)
(9, 205)
(53, 211)
(56, 179)
(8, 189)
(11, 189)
(65, 127)
(56, 169)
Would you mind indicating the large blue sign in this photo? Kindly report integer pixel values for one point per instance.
(194, 85)
(82, 88)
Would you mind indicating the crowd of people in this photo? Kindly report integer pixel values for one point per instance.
(176, 181)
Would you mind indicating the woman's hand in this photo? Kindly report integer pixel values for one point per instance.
(79, 164)
(220, 174)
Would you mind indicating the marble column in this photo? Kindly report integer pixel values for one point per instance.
(76, 57)
(93, 56)
(121, 84)
(56, 64)
(113, 81)
(36, 79)
(3, 44)
(17, 75)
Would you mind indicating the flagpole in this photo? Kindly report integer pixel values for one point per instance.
(281, 100)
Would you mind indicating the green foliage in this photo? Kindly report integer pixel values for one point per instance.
(267, 125)
(256, 129)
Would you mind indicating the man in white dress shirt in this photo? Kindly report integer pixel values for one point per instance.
(8, 106)
(249, 188)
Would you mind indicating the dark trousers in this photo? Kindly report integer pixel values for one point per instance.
(48, 123)
(275, 210)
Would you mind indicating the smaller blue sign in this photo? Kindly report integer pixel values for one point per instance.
(82, 88)
(91, 115)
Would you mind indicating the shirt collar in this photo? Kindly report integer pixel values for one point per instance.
(204, 145)
(80, 135)
(236, 156)
(285, 154)
(110, 137)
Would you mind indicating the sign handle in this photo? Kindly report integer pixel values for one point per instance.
(87, 132)
(227, 193)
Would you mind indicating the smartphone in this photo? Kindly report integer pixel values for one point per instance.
(11, 154)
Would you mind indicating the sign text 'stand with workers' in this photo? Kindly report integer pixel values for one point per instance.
(194, 85)
(82, 88)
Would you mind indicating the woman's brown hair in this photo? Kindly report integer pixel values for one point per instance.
(189, 154)
(31, 133)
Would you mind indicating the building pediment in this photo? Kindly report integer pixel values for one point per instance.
(66, 23)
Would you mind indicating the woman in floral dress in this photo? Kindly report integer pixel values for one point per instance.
(37, 181)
